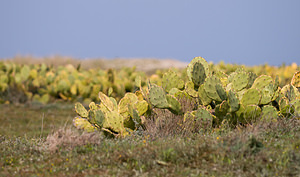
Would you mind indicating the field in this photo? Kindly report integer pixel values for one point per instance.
(38, 138)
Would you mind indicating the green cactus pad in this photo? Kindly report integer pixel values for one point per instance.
(135, 116)
(252, 76)
(231, 77)
(262, 81)
(139, 95)
(251, 113)
(157, 97)
(96, 117)
(190, 89)
(93, 106)
(296, 80)
(276, 84)
(114, 122)
(83, 124)
(172, 80)
(80, 110)
(284, 107)
(277, 95)
(205, 100)
(233, 101)
(174, 105)
(138, 81)
(191, 66)
(106, 101)
(296, 105)
(63, 85)
(198, 74)
(210, 88)
(269, 113)
(222, 76)
(251, 97)
(123, 104)
(267, 94)
(240, 81)
(240, 113)
(25, 72)
(221, 92)
(204, 116)
(221, 110)
(290, 92)
(173, 91)
(141, 107)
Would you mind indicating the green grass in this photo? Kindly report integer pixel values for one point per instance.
(263, 149)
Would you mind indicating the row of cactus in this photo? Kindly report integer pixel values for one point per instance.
(41, 83)
(239, 98)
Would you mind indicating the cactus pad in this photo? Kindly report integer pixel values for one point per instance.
(204, 116)
(233, 101)
(296, 105)
(106, 101)
(296, 80)
(251, 97)
(190, 89)
(172, 80)
(191, 66)
(290, 92)
(269, 113)
(83, 124)
(114, 122)
(251, 113)
(205, 100)
(210, 88)
(221, 110)
(221, 92)
(80, 110)
(267, 94)
(157, 97)
(284, 107)
(252, 76)
(198, 74)
(141, 107)
(240, 81)
(96, 117)
(174, 105)
(262, 81)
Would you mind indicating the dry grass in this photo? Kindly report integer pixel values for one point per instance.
(68, 138)
(148, 65)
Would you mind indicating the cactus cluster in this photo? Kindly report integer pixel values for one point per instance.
(241, 97)
(112, 118)
(41, 83)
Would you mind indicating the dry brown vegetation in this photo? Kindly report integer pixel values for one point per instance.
(148, 65)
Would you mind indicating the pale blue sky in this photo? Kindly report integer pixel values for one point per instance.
(235, 31)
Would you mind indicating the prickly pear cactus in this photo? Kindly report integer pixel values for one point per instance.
(172, 80)
(198, 74)
(240, 80)
(233, 101)
(157, 97)
(205, 100)
(251, 113)
(190, 67)
(251, 97)
(210, 88)
(296, 80)
(269, 113)
(83, 124)
(80, 110)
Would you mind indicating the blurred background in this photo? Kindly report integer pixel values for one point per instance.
(241, 32)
